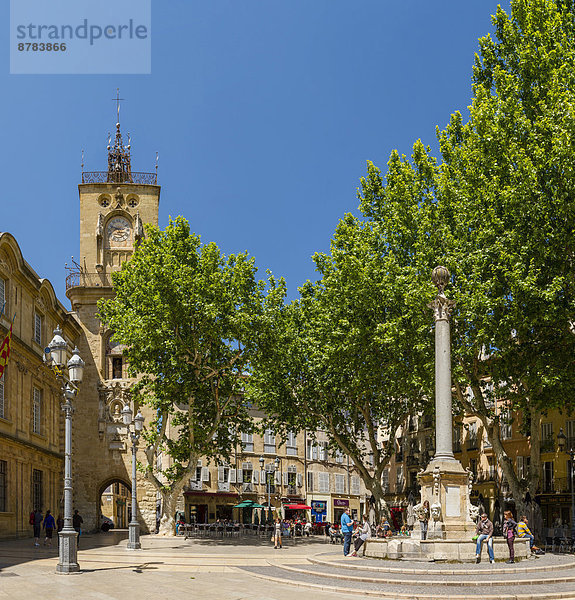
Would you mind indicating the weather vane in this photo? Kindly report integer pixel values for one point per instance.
(118, 100)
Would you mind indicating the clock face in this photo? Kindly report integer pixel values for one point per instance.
(118, 229)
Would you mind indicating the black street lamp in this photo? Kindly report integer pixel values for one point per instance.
(562, 443)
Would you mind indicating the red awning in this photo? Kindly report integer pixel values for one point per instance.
(297, 507)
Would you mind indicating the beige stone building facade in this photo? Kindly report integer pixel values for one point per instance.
(415, 445)
(289, 472)
(31, 421)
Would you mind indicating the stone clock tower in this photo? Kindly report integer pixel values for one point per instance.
(114, 205)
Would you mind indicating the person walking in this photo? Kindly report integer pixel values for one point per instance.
(424, 519)
(364, 534)
(278, 534)
(48, 525)
(484, 532)
(36, 522)
(346, 530)
(509, 533)
(77, 525)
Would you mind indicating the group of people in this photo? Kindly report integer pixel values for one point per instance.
(47, 523)
(511, 530)
(352, 529)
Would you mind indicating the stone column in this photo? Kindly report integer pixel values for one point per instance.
(442, 308)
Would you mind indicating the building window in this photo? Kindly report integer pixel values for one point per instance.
(323, 482)
(505, 424)
(338, 456)
(38, 328)
(247, 473)
(3, 485)
(339, 483)
(291, 444)
(523, 463)
(548, 476)
(385, 480)
(2, 291)
(355, 485)
(37, 411)
(570, 433)
(37, 489)
(311, 450)
(2, 403)
(547, 441)
(248, 442)
(472, 436)
(310, 481)
(322, 451)
(269, 441)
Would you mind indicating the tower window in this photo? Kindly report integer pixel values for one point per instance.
(133, 202)
(117, 367)
(104, 201)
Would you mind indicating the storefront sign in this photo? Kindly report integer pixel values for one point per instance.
(340, 502)
(318, 506)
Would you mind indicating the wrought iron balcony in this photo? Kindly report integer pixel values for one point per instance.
(223, 486)
(547, 445)
(83, 279)
(119, 177)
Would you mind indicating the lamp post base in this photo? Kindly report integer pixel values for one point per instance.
(68, 552)
(133, 536)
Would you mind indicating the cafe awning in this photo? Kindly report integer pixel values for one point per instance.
(297, 507)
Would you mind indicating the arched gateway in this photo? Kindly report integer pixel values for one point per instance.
(114, 204)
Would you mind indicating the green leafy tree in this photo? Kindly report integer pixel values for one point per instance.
(506, 216)
(498, 212)
(345, 357)
(189, 317)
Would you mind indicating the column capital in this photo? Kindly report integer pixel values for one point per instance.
(442, 307)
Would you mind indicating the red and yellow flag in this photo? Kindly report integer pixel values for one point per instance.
(5, 351)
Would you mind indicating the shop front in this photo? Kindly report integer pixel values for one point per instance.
(318, 511)
(340, 505)
(208, 507)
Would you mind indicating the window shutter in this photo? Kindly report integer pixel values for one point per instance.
(285, 478)
(310, 481)
(240, 476)
(255, 477)
(232, 475)
(199, 463)
(262, 477)
(220, 474)
(299, 480)
(205, 474)
(278, 478)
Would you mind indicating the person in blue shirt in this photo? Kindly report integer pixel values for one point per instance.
(347, 530)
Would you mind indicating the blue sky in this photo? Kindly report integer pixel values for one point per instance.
(264, 113)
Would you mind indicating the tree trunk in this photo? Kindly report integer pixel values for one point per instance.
(381, 507)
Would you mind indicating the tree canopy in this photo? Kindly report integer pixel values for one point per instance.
(189, 318)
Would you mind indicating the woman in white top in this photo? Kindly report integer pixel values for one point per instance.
(364, 534)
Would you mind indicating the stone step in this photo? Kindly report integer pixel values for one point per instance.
(485, 578)
(413, 590)
(542, 564)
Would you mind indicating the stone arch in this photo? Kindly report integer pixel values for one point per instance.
(117, 500)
